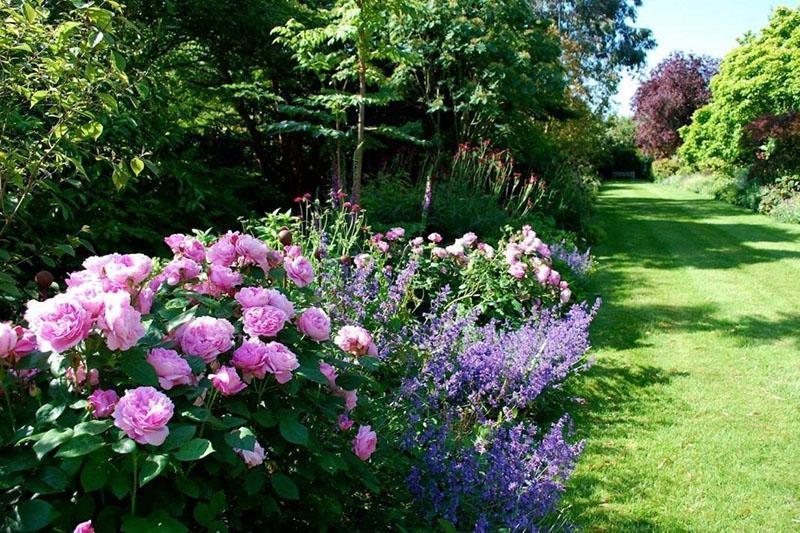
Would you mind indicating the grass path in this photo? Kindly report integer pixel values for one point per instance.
(692, 410)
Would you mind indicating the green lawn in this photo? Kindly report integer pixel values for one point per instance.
(692, 411)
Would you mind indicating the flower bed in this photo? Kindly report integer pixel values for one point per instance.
(310, 376)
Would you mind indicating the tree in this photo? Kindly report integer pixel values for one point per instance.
(599, 40)
(757, 80)
(666, 100)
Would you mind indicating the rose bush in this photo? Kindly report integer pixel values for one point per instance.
(204, 371)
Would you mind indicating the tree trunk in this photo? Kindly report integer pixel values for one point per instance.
(358, 155)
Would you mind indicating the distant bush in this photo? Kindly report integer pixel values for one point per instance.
(664, 168)
(788, 210)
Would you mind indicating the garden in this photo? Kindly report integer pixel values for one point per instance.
(282, 266)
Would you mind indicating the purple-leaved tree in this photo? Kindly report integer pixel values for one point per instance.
(666, 100)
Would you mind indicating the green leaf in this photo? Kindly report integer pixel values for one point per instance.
(53, 477)
(120, 178)
(33, 360)
(93, 427)
(284, 486)
(137, 165)
(264, 418)
(241, 438)
(124, 446)
(35, 515)
(49, 413)
(80, 446)
(51, 440)
(194, 449)
(293, 431)
(95, 473)
(134, 364)
(178, 436)
(30, 13)
(37, 97)
(152, 467)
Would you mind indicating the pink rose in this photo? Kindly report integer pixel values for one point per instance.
(227, 381)
(94, 377)
(90, 294)
(365, 442)
(417, 241)
(438, 252)
(435, 238)
(264, 321)
(517, 270)
(566, 294)
(354, 340)
(8, 339)
(172, 369)
(456, 249)
(362, 260)
(395, 233)
(293, 251)
(102, 402)
(344, 422)
(76, 375)
(120, 322)
(277, 299)
(26, 341)
(555, 277)
(84, 527)
(223, 252)
(252, 457)
(250, 250)
(350, 399)
(315, 323)
(252, 297)
(186, 246)
(222, 278)
(469, 239)
(206, 337)
(281, 362)
(252, 358)
(299, 270)
(542, 274)
(329, 372)
(143, 414)
(181, 269)
(382, 246)
(59, 323)
(487, 250)
(144, 300)
(129, 269)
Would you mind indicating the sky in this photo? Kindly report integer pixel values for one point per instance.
(708, 27)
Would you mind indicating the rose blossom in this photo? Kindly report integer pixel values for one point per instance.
(299, 270)
(84, 527)
(315, 324)
(171, 368)
(102, 402)
(487, 250)
(469, 239)
(252, 457)
(144, 300)
(456, 249)
(90, 294)
(279, 300)
(435, 238)
(181, 269)
(250, 250)
(143, 413)
(252, 358)
(252, 297)
(281, 362)
(222, 278)
(439, 252)
(350, 399)
(362, 260)
(227, 381)
(566, 294)
(417, 241)
(223, 252)
(344, 422)
(186, 246)
(206, 337)
(120, 322)
(26, 341)
(354, 340)
(395, 233)
(517, 270)
(542, 274)
(365, 442)
(129, 269)
(329, 372)
(264, 321)
(59, 323)
(8, 339)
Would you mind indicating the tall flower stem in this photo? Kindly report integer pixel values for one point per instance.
(135, 458)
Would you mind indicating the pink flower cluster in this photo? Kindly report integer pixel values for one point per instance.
(527, 253)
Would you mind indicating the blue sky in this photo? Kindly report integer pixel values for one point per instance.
(702, 26)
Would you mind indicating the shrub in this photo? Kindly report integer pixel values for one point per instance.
(666, 167)
(788, 210)
(206, 372)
